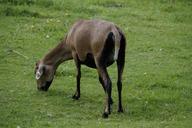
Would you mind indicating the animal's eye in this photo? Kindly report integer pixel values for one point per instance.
(43, 68)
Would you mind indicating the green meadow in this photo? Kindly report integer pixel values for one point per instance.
(157, 79)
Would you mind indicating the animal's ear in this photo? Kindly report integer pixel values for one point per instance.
(37, 63)
(36, 66)
(39, 72)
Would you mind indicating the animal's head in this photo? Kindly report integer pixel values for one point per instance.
(44, 75)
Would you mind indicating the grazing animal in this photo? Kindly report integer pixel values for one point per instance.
(94, 43)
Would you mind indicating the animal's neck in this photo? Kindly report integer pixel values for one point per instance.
(61, 53)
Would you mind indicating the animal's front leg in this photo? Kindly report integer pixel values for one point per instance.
(76, 96)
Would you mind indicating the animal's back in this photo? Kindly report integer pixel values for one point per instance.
(89, 36)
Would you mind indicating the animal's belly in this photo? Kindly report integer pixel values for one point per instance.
(90, 62)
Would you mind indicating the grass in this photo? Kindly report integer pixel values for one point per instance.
(157, 79)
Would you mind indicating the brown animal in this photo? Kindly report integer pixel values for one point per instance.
(95, 43)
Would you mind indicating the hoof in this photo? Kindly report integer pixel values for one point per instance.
(105, 115)
(75, 97)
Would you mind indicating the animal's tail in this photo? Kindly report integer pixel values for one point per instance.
(116, 39)
(113, 37)
(116, 50)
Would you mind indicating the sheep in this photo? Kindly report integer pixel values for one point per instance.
(94, 43)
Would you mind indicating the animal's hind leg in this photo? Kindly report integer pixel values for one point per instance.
(102, 83)
(108, 89)
(101, 61)
(120, 67)
(107, 85)
(76, 96)
(119, 85)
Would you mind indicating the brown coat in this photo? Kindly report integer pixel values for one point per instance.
(89, 36)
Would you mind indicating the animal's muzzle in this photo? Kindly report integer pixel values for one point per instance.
(45, 87)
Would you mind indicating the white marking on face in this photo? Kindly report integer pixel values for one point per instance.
(38, 75)
(39, 72)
